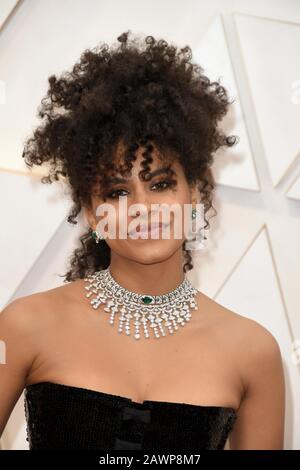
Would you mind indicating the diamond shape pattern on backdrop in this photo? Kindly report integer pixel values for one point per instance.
(249, 243)
(294, 190)
(31, 213)
(270, 52)
(6, 9)
(234, 167)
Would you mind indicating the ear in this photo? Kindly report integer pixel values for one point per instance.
(88, 212)
(194, 193)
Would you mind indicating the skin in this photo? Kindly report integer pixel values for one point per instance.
(219, 358)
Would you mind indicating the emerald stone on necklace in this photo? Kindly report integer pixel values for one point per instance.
(146, 299)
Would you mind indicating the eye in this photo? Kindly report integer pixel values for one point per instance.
(115, 194)
(162, 185)
(159, 186)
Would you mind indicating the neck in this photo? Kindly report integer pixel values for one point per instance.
(153, 279)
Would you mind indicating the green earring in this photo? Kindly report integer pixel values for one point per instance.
(96, 236)
(194, 213)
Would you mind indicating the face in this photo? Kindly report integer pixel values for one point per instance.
(137, 204)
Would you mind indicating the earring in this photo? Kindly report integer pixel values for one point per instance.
(194, 215)
(96, 236)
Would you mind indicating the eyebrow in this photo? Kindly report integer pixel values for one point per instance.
(154, 173)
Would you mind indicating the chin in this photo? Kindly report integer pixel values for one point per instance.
(152, 251)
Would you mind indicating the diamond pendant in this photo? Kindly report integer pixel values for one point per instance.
(157, 313)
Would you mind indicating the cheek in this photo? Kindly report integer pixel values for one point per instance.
(181, 198)
(108, 215)
(178, 197)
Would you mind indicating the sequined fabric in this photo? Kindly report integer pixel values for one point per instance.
(67, 417)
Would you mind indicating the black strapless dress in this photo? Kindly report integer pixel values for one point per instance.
(67, 417)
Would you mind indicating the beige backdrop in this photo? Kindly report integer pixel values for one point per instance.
(251, 261)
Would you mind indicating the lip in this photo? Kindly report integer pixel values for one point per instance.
(153, 228)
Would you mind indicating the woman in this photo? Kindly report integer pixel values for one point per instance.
(138, 125)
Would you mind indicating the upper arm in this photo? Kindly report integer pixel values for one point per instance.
(16, 331)
(260, 422)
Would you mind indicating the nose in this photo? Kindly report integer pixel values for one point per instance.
(141, 198)
(143, 210)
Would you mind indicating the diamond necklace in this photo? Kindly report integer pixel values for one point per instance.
(161, 312)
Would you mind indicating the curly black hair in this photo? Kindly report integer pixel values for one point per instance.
(137, 93)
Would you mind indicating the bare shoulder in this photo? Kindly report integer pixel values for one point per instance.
(238, 326)
(21, 312)
(248, 338)
(33, 310)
